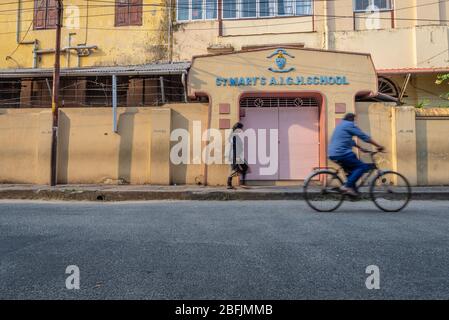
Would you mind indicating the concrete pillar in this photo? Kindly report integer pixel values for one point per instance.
(42, 175)
(151, 92)
(404, 143)
(160, 146)
(135, 93)
(25, 93)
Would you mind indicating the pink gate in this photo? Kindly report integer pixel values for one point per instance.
(298, 137)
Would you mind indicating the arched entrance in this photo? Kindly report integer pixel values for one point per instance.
(334, 78)
(293, 121)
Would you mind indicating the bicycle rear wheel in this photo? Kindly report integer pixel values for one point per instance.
(390, 191)
(322, 191)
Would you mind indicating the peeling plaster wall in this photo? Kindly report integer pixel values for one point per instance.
(410, 44)
(432, 152)
(423, 47)
(116, 45)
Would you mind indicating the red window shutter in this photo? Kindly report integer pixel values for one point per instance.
(121, 13)
(52, 14)
(135, 12)
(40, 8)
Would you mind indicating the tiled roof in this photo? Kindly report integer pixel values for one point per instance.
(145, 69)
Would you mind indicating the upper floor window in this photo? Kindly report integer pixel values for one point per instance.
(45, 14)
(128, 13)
(197, 9)
(367, 5)
(242, 9)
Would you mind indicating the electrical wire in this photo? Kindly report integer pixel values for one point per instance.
(317, 15)
(18, 45)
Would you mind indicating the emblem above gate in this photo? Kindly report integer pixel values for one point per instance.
(281, 61)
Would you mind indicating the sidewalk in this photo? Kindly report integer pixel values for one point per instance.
(185, 192)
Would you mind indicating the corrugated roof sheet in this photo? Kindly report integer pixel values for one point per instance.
(145, 69)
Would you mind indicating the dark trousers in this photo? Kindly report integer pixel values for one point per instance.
(235, 171)
(353, 167)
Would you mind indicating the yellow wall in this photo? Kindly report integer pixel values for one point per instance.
(116, 45)
(25, 143)
(89, 152)
(183, 116)
(432, 147)
(137, 154)
(410, 44)
(394, 128)
(375, 119)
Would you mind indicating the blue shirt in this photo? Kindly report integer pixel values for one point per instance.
(341, 141)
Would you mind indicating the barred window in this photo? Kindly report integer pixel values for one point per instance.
(45, 14)
(128, 13)
(242, 9)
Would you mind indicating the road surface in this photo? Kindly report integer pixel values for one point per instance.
(222, 250)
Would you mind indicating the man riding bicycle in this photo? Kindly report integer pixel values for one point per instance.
(340, 151)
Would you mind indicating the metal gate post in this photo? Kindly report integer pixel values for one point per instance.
(161, 81)
(114, 103)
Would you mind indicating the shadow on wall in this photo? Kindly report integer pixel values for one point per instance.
(126, 132)
(63, 148)
(364, 123)
(376, 120)
(422, 164)
(179, 171)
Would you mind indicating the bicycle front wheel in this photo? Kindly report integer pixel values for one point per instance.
(322, 191)
(390, 191)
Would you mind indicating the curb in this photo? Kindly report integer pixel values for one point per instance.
(105, 195)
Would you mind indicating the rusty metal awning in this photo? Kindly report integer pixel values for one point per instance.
(137, 70)
(400, 71)
(379, 97)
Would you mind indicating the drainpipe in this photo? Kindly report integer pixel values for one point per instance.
(19, 22)
(35, 56)
(87, 24)
(44, 51)
(161, 83)
(18, 30)
(37, 52)
(184, 84)
(169, 31)
(220, 18)
(114, 103)
(68, 53)
(326, 26)
(404, 87)
(86, 33)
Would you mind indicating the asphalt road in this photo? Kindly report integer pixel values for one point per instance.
(222, 250)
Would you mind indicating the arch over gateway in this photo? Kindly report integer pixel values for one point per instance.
(334, 78)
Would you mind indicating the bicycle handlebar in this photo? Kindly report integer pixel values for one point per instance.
(371, 153)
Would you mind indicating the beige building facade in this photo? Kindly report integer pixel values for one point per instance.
(292, 68)
(407, 39)
(275, 89)
(278, 90)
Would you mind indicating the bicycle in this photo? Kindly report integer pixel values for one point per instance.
(389, 190)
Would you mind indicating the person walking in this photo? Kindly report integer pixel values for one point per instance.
(236, 156)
